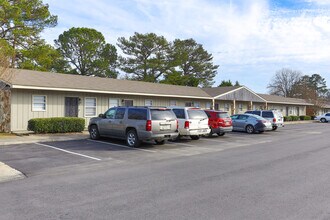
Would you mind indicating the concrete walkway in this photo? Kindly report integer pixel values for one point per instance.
(33, 138)
(7, 173)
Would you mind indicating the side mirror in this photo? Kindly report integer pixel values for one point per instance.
(101, 116)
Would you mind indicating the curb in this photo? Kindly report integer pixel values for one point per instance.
(299, 122)
(9, 174)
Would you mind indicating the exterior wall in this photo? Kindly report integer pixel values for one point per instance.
(21, 110)
(288, 110)
(222, 106)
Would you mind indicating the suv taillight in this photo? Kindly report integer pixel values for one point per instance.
(148, 125)
(274, 119)
(186, 124)
(177, 124)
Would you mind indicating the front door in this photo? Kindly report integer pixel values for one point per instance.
(71, 106)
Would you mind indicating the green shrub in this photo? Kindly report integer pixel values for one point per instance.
(287, 118)
(305, 117)
(56, 125)
(294, 118)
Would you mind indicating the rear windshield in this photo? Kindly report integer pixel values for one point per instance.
(162, 114)
(196, 114)
(267, 114)
(223, 115)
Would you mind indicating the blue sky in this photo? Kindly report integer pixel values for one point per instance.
(249, 39)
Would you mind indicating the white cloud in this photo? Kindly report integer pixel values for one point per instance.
(245, 37)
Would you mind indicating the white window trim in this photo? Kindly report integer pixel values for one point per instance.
(90, 116)
(148, 100)
(113, 99)
(33, 103)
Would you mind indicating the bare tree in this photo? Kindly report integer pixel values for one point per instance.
(283, 82)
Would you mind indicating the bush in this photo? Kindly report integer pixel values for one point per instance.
(287, 118)
(56, 125)
(294, 118)
(305, 117)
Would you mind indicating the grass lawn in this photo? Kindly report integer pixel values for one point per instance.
(6, 135)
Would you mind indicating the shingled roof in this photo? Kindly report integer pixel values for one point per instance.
(28, 79)
(283, 100)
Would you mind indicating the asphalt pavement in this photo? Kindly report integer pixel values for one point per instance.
(274, 175)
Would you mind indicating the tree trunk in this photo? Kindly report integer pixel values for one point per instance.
(5, 110)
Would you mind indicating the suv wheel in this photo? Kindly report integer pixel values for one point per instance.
(221, 134)
(274, 128)
(94, 132)
(132, 139)
(194, 137)
(323, 120)
(249, 129)
(160, 142)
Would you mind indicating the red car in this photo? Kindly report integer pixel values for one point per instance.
(219, 122)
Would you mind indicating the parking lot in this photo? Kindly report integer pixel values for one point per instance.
(36, 158)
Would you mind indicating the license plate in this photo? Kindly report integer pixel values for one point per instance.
(165, 127)
(227, 123)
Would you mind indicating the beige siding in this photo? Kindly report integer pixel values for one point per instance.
(55, 105)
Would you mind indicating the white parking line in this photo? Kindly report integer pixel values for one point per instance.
(70, 152)
(119, 145)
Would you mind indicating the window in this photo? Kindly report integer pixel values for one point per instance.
(216, 106)
(196, 114)
(162, 114)
(188, 104)
(148, 102)
(128, 102)
(172, 103)
(267, 114)
(240, 107)
(179, 113)
(90, 107)
(113, 103)
(243, 117)
(120, 113)
(39, 103)
(226, 107)
(110, 114)
(196, 104)
(137, 114)
(208, 105)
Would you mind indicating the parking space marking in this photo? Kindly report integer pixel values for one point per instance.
(66, 151)
(123, 146)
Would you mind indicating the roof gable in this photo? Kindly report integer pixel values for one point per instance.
(238, 93)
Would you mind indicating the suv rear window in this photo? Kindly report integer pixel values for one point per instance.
(267, 114)
(179, 113)
(196, 114)
(162, 114)
(223, 115)
(137, 114)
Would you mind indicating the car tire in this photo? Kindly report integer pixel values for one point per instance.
(132, 139)
(323, 120)
(94, 132)
(162, 142)
(210, 134)
(194, 137)
(221, 134)
(274, 128)
(249, 129)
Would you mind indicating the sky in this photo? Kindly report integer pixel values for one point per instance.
(249, 39)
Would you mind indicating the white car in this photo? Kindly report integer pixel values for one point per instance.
(323, 118)
(192, 121)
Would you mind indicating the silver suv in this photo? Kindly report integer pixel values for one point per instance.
(135, 124)
(275, 117)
